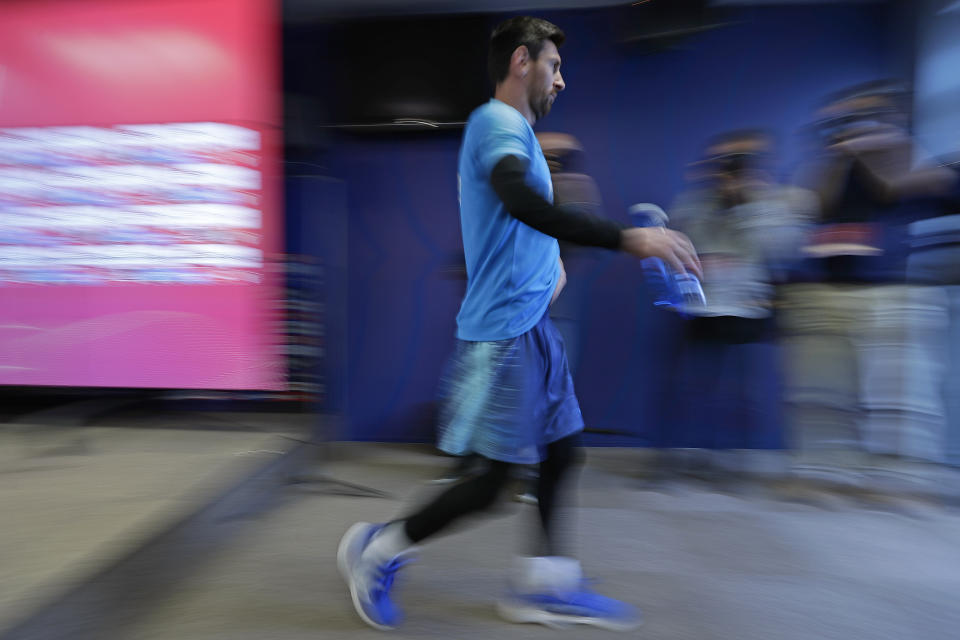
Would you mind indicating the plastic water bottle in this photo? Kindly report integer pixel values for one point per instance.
(670, 288)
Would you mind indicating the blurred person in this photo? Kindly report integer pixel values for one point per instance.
(852, 405)
(574, 190)
(510, 396)
(933, 271)
(744, 225)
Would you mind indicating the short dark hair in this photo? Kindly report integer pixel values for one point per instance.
(742, 135)
(892, 90)
(886, 101)
(515, 32)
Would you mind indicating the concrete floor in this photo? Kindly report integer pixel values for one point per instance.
(701, 563)
(75, 499)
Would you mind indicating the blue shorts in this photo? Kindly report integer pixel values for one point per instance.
(507, 399)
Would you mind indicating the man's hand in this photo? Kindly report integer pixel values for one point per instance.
(672, 247)
(561, 282)
(887, 160)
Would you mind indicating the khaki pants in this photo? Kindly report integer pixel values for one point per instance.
(861, 371)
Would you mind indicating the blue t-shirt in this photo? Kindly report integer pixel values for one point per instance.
(512, 269)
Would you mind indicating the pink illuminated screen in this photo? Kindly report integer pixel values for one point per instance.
(139, 199)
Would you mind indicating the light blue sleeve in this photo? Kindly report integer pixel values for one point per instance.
(497, 135)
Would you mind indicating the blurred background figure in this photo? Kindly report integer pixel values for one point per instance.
(573, 188)
(861, 380)
(933, 270)
(744, 225)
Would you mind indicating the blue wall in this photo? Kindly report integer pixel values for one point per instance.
(642, 118)
(937, 97)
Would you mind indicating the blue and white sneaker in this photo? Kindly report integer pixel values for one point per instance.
(577, 607)
(369, 583)
(551, 591)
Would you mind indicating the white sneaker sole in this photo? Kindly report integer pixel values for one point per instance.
(524, 614)
(348, 553)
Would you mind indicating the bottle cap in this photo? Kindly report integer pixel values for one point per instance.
(646, 214)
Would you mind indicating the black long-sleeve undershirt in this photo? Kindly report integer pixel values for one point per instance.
(508, 179)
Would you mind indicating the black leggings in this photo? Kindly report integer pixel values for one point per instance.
(478, 493)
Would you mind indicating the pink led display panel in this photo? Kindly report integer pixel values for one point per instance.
(140, 206)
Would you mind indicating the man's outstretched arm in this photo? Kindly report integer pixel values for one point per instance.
(508, 179)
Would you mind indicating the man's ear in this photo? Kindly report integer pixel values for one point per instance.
(520, 60)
